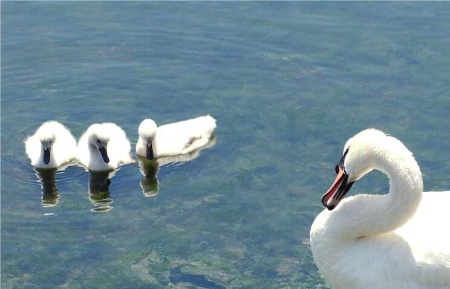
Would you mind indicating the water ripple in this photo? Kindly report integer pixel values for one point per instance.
(25, 173)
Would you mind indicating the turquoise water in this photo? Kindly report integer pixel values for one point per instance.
(288, 83)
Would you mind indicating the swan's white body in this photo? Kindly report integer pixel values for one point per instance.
(175, 138)
(103, 147)
(187, 157)
(51, 146)
(396, 241)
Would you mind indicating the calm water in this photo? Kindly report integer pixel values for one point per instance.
(288, 83)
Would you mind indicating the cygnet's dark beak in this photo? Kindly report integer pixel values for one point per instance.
(104, 154)
(46, 156)
(149, 152)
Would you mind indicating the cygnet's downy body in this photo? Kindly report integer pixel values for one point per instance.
(104, 147)
(51, 146)
(175, 138)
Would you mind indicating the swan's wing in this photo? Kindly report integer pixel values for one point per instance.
(203, 125)
(184, 136)
(429, 238)
(430, 219)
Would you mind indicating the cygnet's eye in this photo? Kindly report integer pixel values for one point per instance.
(99, 142)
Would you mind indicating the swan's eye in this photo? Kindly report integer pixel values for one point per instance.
(99, 142)
(341, 162)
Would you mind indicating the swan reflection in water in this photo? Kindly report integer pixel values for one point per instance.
(150, 168)
(99, 194)
(149, 182)
(47, 179)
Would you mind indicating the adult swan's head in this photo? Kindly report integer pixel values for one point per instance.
(368, 150)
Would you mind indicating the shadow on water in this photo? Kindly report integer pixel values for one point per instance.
(178, 276)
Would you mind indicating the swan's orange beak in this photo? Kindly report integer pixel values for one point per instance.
(338, 189)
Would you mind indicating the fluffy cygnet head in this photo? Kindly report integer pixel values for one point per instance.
(47, 138)
(51, 146)
(147, 131)
(99, 140)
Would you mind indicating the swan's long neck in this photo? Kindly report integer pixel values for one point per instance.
(368, 215)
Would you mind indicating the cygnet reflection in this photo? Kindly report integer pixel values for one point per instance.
(150, 168)
(149, 183)
(99, 194)
(47, 179)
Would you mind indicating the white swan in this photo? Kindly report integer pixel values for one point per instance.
(103, 147)
(394, 241)
(173, 139)
(51, 146)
